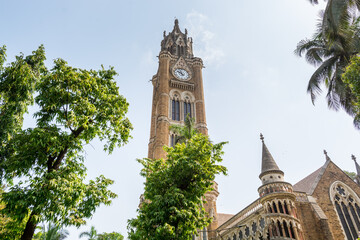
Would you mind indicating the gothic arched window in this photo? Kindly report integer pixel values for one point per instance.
(274, 207)
(175, 110)
(181, 105)
(240, 235)
(286, 208)
(286, 229)
(281, 208)
(173, 139)
(247, 231)
(187, 110)
(346, 203)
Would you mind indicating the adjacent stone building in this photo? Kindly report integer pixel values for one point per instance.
(325, 205)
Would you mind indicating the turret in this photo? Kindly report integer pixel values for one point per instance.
(278, 200)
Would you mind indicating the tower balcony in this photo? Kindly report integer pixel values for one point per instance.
(275, 187)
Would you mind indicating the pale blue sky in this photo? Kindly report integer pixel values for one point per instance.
(253, 83)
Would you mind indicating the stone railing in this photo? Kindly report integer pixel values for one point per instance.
(275, 187)
(236, 219)
(301, 197)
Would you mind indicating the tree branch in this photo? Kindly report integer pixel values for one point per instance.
(62, 153)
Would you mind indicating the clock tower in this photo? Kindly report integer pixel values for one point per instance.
(177, 92)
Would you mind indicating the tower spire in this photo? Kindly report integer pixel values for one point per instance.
(326, 156)
(268, 163)
(357, 169)
(177, 43)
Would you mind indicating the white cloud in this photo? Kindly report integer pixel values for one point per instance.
(205, 45)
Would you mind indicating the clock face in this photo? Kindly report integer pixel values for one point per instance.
(181, 74)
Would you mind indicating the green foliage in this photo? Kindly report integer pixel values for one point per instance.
(174, 190)
(352, 78)
(74, 106)
(17, 86)
(110, 236)
(91, 235)
(51, 232)
(185, 132)
(352, 175)
(10, 229)
(335, 41)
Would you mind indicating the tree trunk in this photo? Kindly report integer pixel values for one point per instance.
(29, 229)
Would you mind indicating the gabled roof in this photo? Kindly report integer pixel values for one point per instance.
(223, 217)
(309, 183)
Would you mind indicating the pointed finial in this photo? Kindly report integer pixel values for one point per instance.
(326, 155)
(176, 21)
(353, 157)
(262, 137)
(164, 33)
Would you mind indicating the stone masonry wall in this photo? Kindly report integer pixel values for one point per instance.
(321, 194)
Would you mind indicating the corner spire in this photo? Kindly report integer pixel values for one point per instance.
(357, 169)
(326, 156)
(268, 163)
(176, 26)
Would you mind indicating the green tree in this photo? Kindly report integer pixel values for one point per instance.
(91, 235)
(110, 236)
(10, 229)
(74, 106)
(174, 190)
(185, 132)
(352, 78)
(51, 232)
(352, 175)
(333, 44)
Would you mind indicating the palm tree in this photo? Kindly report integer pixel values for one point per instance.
(92, 234)
(52, 232)
(331, 48)
(185, 132)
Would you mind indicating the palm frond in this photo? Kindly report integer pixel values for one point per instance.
(357, 121)
(306, 44)
(318, 77)
(314, 56)
(314, 1)
(332, 97)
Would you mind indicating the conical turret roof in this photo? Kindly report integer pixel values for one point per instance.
(268, 163)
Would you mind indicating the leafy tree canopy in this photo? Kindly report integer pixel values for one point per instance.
(93, 235)
(174, 190)
(74, 106)
(352, 78)
(352, 175)
(10, 228)
(110, 236)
